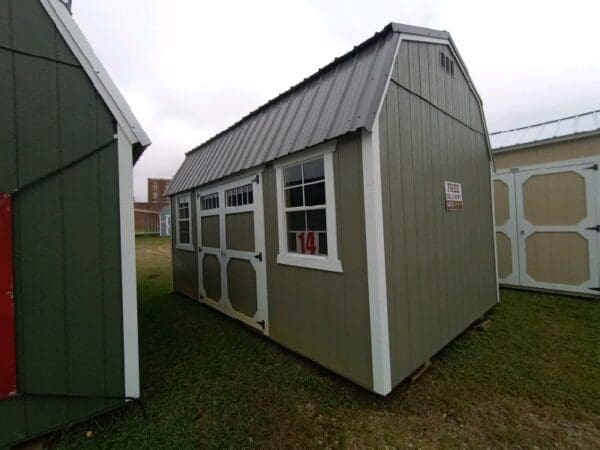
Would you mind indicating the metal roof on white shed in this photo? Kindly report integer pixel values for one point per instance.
(546, 132)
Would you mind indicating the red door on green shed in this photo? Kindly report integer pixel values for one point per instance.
(8, 372)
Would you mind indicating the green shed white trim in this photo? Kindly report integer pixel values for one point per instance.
(95, 70)
(66, 125)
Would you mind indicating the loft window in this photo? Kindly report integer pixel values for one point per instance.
(306, 211)
(184, 223)
(447, 64)
(210, 201)
(240, 196)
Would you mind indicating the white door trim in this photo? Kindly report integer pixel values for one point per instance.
(510, 227)
(223, 255)
(526, 228)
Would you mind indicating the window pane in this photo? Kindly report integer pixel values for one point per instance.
(316, 220)
(322, 243)
(292, 246)
(314, 194)
(296, 221)
(292, 176)
(314, 171)
(293, 197)
(184, 232)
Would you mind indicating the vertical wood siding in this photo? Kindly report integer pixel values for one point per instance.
(539, 154)
(325, 315)
(67, 244)
(440, 265)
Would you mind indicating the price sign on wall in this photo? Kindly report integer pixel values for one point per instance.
(8, 371)
(454, 196)
(307, 242)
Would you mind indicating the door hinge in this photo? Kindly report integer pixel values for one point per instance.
(262, 324)
(594, 167)
(258, 256)
(256, 180)
(596, 228)
(199, 249)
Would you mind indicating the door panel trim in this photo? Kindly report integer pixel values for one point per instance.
(224, 255)
(523, 228)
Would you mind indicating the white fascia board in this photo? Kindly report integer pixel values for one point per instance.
(128, 264)
(96, 72)
(376, 268)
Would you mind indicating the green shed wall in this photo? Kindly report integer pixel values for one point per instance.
(440, 265)
(67, 242)
(325, 315)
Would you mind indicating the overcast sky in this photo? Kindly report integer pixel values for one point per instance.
(190, 68)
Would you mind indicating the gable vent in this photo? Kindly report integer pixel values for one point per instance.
(447, 64)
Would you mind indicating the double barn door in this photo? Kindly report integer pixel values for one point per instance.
(231, 261)
(547, 230)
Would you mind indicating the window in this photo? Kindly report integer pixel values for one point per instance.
(306, 211)
(447, 64)
(184, 223)
(210, 201)
(240, 196)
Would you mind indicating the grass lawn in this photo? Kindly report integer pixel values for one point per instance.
(532, 379)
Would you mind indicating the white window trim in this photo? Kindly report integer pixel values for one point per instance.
(182, 245)
(330, 262)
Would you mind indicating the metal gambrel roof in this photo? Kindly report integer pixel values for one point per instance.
(341, 97)
(588, 123)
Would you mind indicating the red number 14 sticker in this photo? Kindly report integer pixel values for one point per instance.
(307, 243)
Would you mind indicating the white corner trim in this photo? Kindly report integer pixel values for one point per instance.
(179, 245)
(92, 66)
(330, 262)
(376, 269)
(128, 275)
(493, 202)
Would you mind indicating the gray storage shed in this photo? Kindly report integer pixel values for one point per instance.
(350, 218)
(68, 302)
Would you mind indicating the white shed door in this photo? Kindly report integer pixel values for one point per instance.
(547, 227)
(231, 250)
(558, 235)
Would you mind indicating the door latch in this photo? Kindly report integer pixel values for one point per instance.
(258, 256)
(594, 167)
(596, 228)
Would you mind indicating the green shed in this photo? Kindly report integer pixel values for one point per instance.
(68, 302)
(350, 218)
